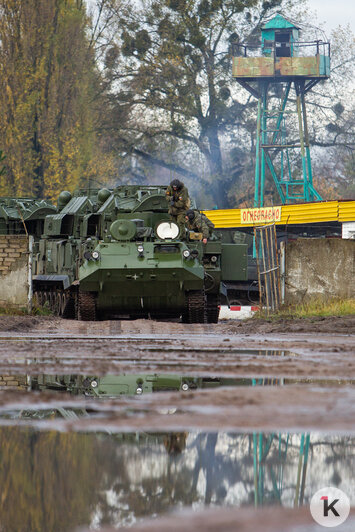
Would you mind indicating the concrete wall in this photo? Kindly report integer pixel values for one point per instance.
(14, 270)
(319, 267)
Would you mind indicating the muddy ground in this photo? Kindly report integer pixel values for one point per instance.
(312, 360)
(312, 325)
(241, 520)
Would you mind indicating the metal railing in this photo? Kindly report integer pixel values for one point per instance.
(300, 48)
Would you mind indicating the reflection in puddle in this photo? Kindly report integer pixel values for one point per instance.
(141, 384)
(57, 481)
(114, 385)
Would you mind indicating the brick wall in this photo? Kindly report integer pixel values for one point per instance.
(14, 270)
(13, 381)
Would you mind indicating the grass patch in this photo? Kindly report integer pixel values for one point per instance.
(11, 311)
(313, 308)
(41, 311)
(36, 311)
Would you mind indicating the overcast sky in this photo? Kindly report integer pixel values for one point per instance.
(334, 12)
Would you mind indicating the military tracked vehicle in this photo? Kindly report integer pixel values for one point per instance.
(24, 215)
(116, 253)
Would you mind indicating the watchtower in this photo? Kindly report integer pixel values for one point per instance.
(269, 71)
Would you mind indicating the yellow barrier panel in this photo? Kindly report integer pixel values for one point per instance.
(304, 213)
(346, 211)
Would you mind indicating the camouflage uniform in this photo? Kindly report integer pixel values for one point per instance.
(180, 203)
(198, 225)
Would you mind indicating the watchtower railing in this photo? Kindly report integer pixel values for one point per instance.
(300, 48)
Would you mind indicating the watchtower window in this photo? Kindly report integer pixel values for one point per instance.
(268, 43)
(282, 44)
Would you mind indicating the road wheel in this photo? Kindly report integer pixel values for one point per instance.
(52, 300)
(58, 303)
(40, 298)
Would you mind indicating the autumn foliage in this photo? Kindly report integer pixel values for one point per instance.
(47, 86)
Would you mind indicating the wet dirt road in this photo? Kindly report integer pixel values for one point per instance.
(316, 372)
(227, 383)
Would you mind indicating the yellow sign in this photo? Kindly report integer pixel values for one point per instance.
(263, 215)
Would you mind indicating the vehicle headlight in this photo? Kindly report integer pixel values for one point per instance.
(185, 387)
(140, 248)
(213, 258)
(139, 391)
(186, 253)
(95, 255)
(93, 384)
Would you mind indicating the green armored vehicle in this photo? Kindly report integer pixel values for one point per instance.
(23, 215)
(116, 253)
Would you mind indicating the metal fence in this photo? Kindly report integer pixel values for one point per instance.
(268, 267)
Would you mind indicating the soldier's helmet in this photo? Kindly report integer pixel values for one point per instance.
(176, 184)
(190, 214)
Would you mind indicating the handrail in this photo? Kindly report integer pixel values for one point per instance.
(271, 45)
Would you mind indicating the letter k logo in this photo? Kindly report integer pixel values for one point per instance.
(330, 507)
(327, 507)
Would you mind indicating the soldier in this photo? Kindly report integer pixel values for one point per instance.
(199, 223)
(177, 196)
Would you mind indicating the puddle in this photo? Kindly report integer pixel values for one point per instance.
(56, 405)
(169, 349)
(59, 481)
(155, 355)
